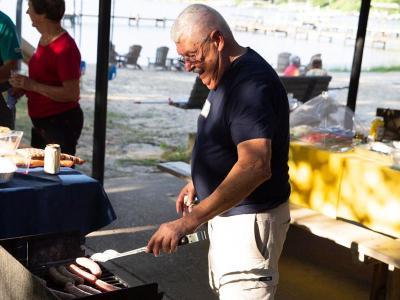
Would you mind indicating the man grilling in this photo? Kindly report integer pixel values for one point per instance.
(239, 160)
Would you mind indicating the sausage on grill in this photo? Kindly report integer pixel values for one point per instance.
(82, 273)
(70, 288)
(88, 289)
(62, 295)
(63, 270)
(59, 278)
(105, 287)
(89, 264)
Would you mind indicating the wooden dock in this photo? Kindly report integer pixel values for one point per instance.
(73, 19)
(329, 33)
(135, 21)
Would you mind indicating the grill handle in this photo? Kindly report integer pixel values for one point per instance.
(112, 254)
(193, 238)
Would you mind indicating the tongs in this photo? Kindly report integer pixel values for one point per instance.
(112, 254)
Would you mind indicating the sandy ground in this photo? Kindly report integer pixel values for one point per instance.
(140, 123)
(141, 126)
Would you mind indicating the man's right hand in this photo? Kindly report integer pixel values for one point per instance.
(185, 199)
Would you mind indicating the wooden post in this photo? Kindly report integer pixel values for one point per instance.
(379, 279)
(393, 285)
(358, 54)
(100, 111)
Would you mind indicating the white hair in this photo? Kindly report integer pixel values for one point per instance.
(198, 20)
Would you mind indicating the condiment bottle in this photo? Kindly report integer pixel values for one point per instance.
(377, 129)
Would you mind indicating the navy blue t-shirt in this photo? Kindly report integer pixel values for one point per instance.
(250, 102)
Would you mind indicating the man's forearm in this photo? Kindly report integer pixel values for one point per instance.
(240, 182)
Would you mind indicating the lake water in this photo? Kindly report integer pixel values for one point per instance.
(336, 54)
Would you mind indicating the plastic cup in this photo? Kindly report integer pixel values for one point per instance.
(9, 142)
(396, 159)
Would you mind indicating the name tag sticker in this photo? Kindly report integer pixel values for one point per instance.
(206, 109)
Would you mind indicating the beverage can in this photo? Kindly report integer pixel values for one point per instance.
(52, 154)
(377, 129)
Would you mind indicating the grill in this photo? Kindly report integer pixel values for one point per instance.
(25, 261)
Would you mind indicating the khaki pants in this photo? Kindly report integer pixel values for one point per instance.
(244, 253)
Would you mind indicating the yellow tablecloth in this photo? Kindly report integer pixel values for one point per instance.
(358, 185)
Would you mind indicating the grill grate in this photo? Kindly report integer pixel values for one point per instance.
(40, 252)
(43, 273)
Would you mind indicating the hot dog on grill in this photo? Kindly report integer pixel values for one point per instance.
(63, 270)
(82, 273)
(88, 289)
(59, 278)
(89, 264)
(70, 288)
(105, 287)
(62, 295)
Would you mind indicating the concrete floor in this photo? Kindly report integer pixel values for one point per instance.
(310, 267)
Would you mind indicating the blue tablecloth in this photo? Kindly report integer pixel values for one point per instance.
(39, 203)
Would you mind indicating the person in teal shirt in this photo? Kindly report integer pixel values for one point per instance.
(10, 53)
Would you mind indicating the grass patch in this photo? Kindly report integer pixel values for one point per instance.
(338, 70)
(147, 162)
(22, 120)
(115, 120)
(175, 153)
(379, 69)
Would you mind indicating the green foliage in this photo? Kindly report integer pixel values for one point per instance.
(388, 1)
(338, 4)
(380, 69)
(344, 5)
(175, 153)
(320, 3)
(385, 69)
(344, 69)
(280, 1)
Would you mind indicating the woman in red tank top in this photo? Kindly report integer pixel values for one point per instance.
(52, 87)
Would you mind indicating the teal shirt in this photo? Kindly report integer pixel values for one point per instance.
(9, 45)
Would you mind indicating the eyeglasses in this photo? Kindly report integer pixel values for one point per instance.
(193, 59)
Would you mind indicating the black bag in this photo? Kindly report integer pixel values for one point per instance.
(391, 117)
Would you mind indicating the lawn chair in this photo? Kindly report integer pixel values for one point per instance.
(161, 59)
(198, 96)
(305, 88)
(283, 61)
(315, 56)
(132, 57)
(113, 57)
